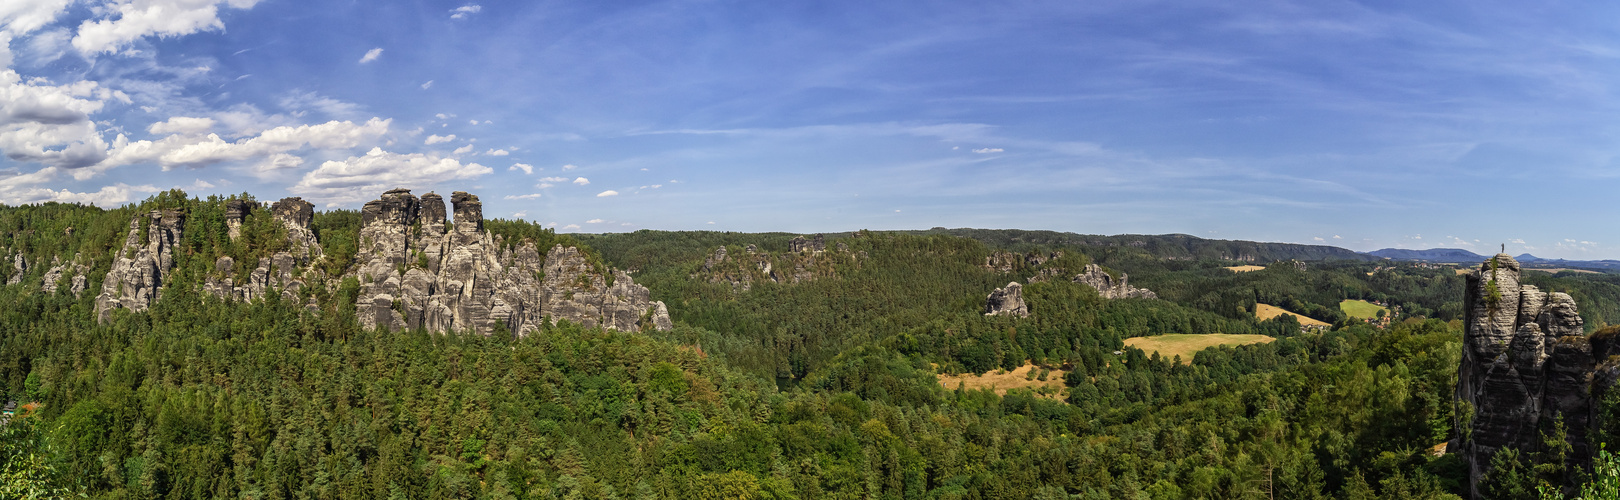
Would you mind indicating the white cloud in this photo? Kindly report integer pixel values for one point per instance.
(443, 116)
(497, 152)
(278, 161)
(463, 11)
(427, 85)
(595, 221)
(123, 22)
(371, 55)
(1518, 241)
(201, 185)
(570, 167)
(607, 193)
(463, 150)
(571, 226)
(1336, 237)
(710, 222)
(1317, 238)
(181, 125)
(532, 196)
(988, 150)
(50, 124)
(359, 177)
(521, 213)
(194, 151)
(472, 122)
(656, 186)
(553, 179)
(20, 17)
(106, 197)
(436, 138)
(334, 108)
(526, 168)
(582, 181)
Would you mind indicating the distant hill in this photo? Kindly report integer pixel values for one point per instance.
(1168, 246)
(1449, 255)
(1459, 256)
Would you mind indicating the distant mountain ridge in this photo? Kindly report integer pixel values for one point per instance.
(1459, 256)
(1166, 246)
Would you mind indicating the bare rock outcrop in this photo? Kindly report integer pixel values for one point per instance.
(137, 276)
(236, 211)
(807, 259)
(800, 244)
(1526, 362)
(414, 273)
(1095, 277)
(1007, 301)
(73, 270)
(19, 268)
(282, 272)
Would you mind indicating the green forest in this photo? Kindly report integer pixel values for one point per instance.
(824, 388)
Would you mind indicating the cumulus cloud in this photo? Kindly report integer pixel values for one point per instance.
(106, 197)
(181, 125)
(21, 17)
(296, 100)
(595, 221)
(582, 181)
(532, 196)
(50, 124)
(463, 150)
(436, 138)
(526, 168)
(569, 167)
(371, 55)
(571, 226)
(463, 11)
(988, 150)
(358, 177)
(497, 152)
(607, 193)
(119, 23)
(198, 151)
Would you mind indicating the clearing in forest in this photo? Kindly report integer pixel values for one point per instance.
(1171, 345)
(1244, 269)
(1361, 309)
(1268, 311)
(1556, 270)
(1002, 382)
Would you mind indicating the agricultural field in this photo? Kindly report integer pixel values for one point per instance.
(1361, 309)
(1244, 269)
(1267, 311)
(1184, 345)
(1002, 381)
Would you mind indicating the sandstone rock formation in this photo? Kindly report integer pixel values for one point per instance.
(800, 244)
(1006, 262)
(236, 211)
(1526, 362)
(1007, 301)
(281, 271)
(137, 275)
(1095, 277)
(414, 273)
(73, 269)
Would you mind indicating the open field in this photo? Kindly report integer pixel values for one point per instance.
(1556, 270)
(1002, 382)
(1461, 272)
(1361, 309)
(1184, 345)
(1244, 269)
(1268, 311)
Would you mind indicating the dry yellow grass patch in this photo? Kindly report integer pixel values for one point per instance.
(1267, 311)
(1002, 382)
(1171, 345)
(1556, 270)
(1244, 269)
(1461, 272)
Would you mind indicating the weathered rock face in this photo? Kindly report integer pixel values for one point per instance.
(1007, 301)
(1006, 262)
(1095, 277)
(235, 212)
(137, 275)
(74, 271)
(1526, 362)
(414, 274)
(19, 268)
(800, 244)
(278, 272)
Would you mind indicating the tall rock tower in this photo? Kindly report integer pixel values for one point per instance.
(1526, 362)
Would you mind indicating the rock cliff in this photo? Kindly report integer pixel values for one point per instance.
(137, 275)
(285, 272)
(807, 259)
(416, 273)
(74, 271)
(1095, 277)
(1526, 362)
(1007, 301)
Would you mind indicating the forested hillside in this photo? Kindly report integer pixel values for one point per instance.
(819, 379)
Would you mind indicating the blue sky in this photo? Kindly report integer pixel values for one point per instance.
(1362, 125)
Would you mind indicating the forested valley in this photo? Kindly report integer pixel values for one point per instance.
(820, 383)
